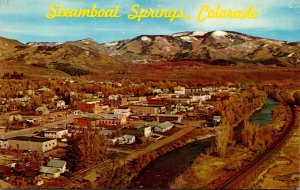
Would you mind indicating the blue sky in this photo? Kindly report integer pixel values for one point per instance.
(25, 20)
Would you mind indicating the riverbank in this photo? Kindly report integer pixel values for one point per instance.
(209, 171)
(284, 172)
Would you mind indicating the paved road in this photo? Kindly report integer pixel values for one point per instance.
(31, 130)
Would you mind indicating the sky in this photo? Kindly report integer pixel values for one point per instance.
(25, 20)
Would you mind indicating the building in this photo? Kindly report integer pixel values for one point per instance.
(43, 110)
(167, 117)
(112, 119)
(92, 107)
(85, 122)
(100, 119)
(179, 90)
(147, 109)
(32, 143)
(122, 110)
(126, 139)
(133, 100)
(163, 127)
(56, 133)
(50, 172)
(59, 164)
(61, 104)
(217, 119)
(145, 131)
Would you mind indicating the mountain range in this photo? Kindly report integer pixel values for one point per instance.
(215, 47)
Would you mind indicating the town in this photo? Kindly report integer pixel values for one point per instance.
(39, 121)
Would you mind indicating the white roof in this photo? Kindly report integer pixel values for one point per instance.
(49, 170)
(56, 163)
(129, 137)
(165, 125)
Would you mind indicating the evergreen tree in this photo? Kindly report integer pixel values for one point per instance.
(73, 155)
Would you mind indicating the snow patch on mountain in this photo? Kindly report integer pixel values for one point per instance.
(50, 44)
(198, 33)
(111, 44)
(180, 34)
(219, 33)
(146, 39)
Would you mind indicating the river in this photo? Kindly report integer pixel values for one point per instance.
(264, 115)
(160, 172)
(163, 170)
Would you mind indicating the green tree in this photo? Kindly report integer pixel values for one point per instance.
(73, 155)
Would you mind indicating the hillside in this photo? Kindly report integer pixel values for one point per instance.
(217, 47)
(89, 57)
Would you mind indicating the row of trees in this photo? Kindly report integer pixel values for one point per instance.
(233, 111)
(259, 137)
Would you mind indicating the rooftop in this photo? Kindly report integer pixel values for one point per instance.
(33, 139)
(55, 130)
(56, 163)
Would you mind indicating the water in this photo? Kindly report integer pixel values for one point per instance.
(264, 115)
(160, 172)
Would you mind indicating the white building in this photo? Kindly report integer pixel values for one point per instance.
(163, 127)
(32, 143)
(54, 168)
(56, 133)
(61, 104)
(146, 131)
(126, 139)
(179, 90)
(122, 110)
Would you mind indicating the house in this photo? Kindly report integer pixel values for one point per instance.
(32, 143)
(34, 121)
(217, 119)
(54, 168)
(15, 118)
(61, 104)
(59, 164)
(122, 110)
(43, 110)
(179, 90)
(126, 139)
(50, 172)
(56, 133)
(163, 127)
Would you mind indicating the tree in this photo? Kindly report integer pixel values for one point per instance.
(73, 155)
(93, 147)
(85, 149)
